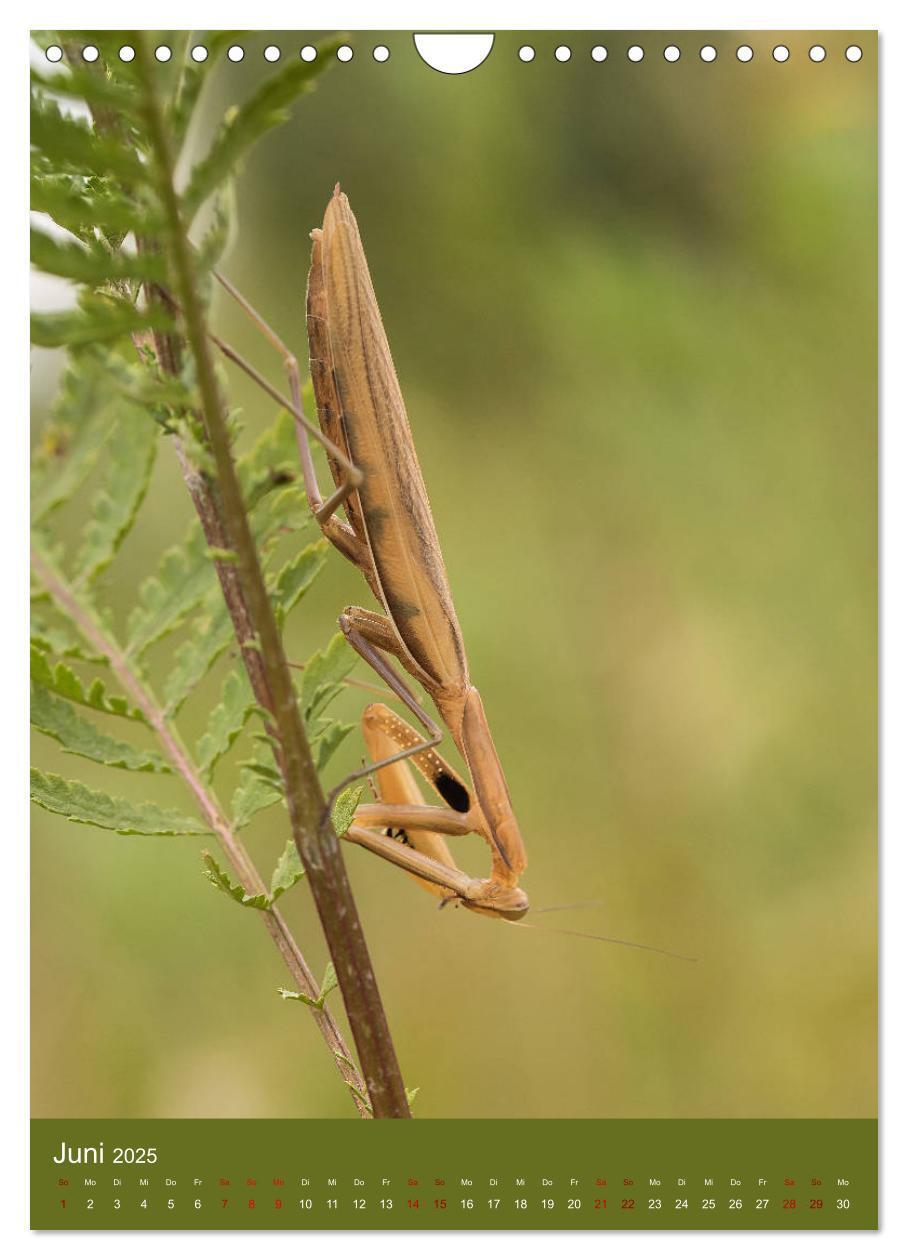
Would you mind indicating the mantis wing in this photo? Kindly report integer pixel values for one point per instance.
(393, 509)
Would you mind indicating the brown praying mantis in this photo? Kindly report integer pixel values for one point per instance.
(390, 536)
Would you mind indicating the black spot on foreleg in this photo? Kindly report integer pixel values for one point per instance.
(452, 791)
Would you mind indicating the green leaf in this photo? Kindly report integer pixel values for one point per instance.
(69, 143)
(242, 126)
(328, 739)
(322, 675)
(128, 464)
(298, 574)
(62, 680)
(219, 878)
(61, 640)
(141, 381)
(58, 719)
(184, 578)
(329, 984)
(345, 807)
(74, 438)
(192, 80)
(278, 515)
(411, 1094)
(272, 461)
(80, 205)
(221, 230)
(226, 721)
(288, 872)
(210, 635)
(92, 264)
(252, 796)
(98, 319)
(81, 804)
(78, 83)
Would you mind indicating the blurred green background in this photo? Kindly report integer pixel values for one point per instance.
(633, 311)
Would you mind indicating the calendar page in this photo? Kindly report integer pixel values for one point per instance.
(454, 630)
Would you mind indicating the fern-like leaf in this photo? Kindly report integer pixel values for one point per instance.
(226, 722)
(184, 578)
(53, 639)
(128, 466)
(288, 872)
(323, 674)
(57, 718)
(98, 319)
(64, 682)
(73, 439)
(210, 636)
(328, 985)
(254, 794)
(218, 878)
(81, 804)
(69, 143)
(92, 264)
(297, 576)
(326, 739)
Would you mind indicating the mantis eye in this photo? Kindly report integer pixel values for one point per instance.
(453, 792)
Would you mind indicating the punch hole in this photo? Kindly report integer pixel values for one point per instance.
(672, 53)
(854, 52)
(817, 53)
(199, 53)
(308, 53)
(453, 54)
(162, 53)
(599, 53)
(745, 53)
(780, 53)
(90, 53)
(235, 53)
(345, 53)
(708, 53)
(54, 53)
(526, 53)
(127, 53)
(272, 53)
(381, 52)
(562, 53)
(635, 53)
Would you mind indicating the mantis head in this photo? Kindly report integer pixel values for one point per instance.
(497, 901)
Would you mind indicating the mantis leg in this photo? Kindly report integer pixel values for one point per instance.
(400, 817)
(445, 881)
(374, 627)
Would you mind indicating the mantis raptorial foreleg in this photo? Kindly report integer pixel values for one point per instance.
(362, 644)
(413, 832)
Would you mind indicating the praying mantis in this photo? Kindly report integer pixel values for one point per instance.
(390, 536)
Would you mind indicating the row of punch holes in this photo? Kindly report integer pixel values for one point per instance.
(526, 53)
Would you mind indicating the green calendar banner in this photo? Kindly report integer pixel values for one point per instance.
(455, 1174)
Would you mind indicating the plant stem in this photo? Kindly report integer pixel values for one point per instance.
(233, 847)
(313, 833)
